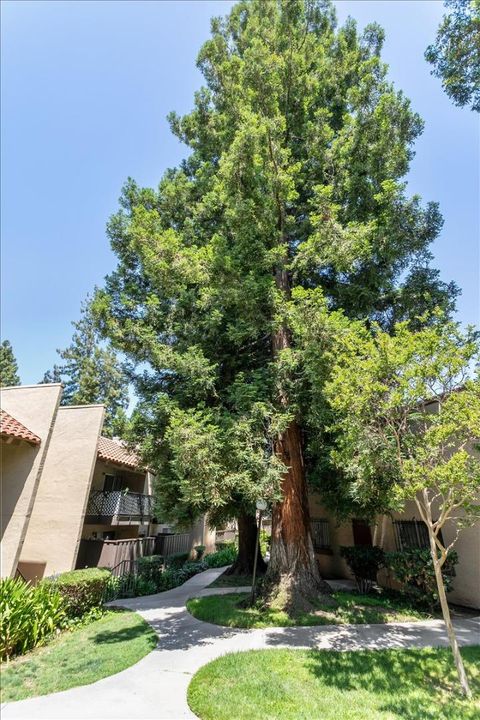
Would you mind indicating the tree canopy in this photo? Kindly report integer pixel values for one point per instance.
(455, 55)
(8, 365)
(294, 184)
(92, 373)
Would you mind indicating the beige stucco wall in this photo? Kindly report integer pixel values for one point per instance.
(202, 534)
(56, 522)
(35, 406)
(332, 565)
(136, 481)
(466, 582)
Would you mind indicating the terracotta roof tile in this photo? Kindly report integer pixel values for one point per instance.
(11, 428)
(116, 453)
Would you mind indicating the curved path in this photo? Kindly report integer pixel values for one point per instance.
(156, 686)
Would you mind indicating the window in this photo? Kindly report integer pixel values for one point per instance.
(320, 535)
(112, 482)
(412, 534)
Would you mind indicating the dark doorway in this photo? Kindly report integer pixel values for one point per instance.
(362, 534)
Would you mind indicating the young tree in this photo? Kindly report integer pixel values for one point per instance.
(408, 422)
(298, 146)
(8, 365)
(455, 55)
(92, 373)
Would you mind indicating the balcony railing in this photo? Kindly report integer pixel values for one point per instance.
(119, 504)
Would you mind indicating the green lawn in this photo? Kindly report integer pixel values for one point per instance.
(351, 608)
(232, 581)
(329, 685)
(106, 646)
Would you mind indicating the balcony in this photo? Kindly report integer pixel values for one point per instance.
(118, 507)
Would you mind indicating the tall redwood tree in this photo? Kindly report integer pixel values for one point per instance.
(298, 145)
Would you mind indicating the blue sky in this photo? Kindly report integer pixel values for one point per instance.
(86, 87)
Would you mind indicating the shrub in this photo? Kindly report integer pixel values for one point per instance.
(199, 551)
(81, 589)
(150, 567)
(176, 560)
(364, 561)
(29, 613)
(226, 556)
(413, 567)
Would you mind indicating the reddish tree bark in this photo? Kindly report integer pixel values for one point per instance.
(247, 539)
(293, 578)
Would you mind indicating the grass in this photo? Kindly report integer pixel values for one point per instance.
(104, 647)
(352, 608)
(314, 684)
(232, 581)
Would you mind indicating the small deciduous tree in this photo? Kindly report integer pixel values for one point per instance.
(455, 55)
(408, 423)
(8, 365)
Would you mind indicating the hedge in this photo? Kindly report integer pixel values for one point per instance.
(82, 590)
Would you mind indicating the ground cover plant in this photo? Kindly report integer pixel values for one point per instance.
(312, 684)
(349, 608)
(30, 615)
(89, 653)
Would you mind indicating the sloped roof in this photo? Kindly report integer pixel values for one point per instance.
(11, 428)
(114, 452)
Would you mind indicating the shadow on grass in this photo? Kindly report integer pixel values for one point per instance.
(124, 635)
(419, 685)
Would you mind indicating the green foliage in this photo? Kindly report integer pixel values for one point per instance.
(8, 365)
(81, 589)
(199, 551)
(176, 560)
(30, 615)
(226, 556)
(413, 567)
(456, 52)
(408, 417)
(364, 562)
(150, 567)
(298, 145)
(92, 373)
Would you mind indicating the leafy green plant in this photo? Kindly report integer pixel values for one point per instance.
(150, 567)
(226, 556)
(176, 560)
(29, 613)
(365, 562)
(199, 551)
(81, 589)
(413, 567)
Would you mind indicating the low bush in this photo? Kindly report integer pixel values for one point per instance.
(30, 614)
(199, 551)
(413, 567)
(81, 589)
(150, 567)
(364, 561)
(226, 556)
(176, 560)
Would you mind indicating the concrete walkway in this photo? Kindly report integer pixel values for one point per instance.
(156, 686)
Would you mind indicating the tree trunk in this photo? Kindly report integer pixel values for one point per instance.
(293, 578)
(247, 538)
(447, 618)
